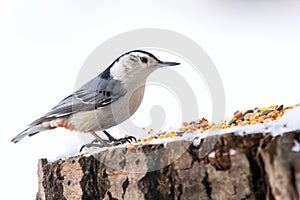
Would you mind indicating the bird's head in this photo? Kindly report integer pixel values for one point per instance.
(137, 64)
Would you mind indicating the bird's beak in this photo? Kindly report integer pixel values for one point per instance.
(166, 64)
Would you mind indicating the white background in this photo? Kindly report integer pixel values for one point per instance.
(255, 45)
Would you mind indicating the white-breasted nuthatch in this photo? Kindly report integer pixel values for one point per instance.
(103, 102)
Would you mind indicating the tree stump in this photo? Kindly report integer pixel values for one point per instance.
(253, 166)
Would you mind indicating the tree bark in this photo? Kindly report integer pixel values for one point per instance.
(229, 166)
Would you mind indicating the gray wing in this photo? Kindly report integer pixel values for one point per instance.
(95, 94)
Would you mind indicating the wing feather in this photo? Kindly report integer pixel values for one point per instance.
(95, 94)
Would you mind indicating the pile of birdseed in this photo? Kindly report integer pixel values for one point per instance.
(240, 118)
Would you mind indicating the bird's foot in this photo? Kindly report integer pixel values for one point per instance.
(116, 141)
(128, 139)
(89, 145)
(98, 143)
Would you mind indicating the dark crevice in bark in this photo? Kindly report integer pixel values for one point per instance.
(53, 182)
(124, 186)
(89, 181)
(205, 182)
(292, 169)
(148, 185)
(257, 178)
(110, 196)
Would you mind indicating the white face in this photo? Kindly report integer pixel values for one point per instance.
(138, 65)
(137, 61)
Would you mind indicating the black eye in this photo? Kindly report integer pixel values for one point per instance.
(144, 60)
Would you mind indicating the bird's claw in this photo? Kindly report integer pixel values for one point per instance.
(99, 143)
(128, 139)
(94, 144)
(89, 146)
(107, 143)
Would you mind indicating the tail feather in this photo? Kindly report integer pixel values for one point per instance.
(29, 132)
